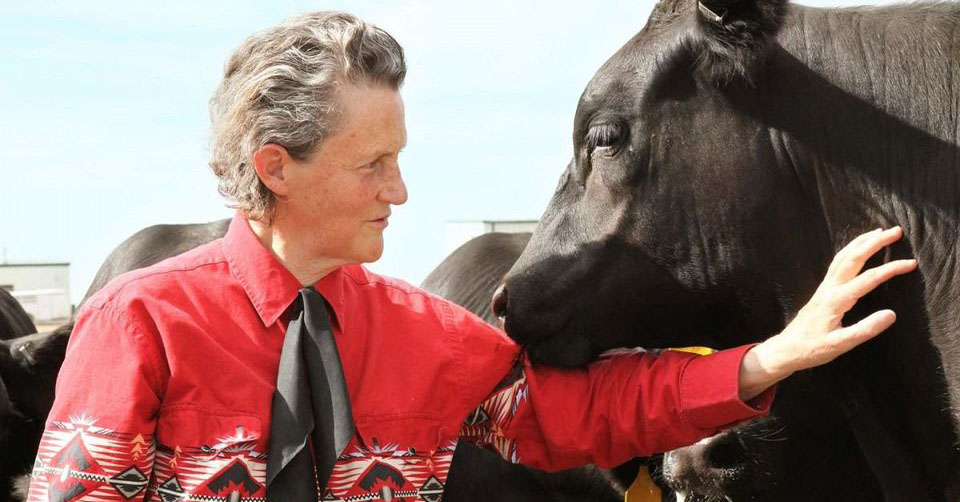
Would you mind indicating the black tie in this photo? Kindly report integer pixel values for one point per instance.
(310, 402)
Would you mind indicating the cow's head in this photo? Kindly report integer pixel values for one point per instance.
(28, 368)
(681, 220)
(676, 222)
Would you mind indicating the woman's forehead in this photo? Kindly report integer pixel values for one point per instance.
(372, 123)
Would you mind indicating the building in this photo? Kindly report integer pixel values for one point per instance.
(458, 232)
(43, 289)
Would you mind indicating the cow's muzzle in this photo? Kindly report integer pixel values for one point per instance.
(706, 469)
(499, 305)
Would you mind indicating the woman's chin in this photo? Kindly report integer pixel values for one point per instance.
(371, 252)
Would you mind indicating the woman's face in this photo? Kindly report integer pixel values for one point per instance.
(343, 192)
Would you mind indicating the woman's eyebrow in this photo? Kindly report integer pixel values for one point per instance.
(386, 151)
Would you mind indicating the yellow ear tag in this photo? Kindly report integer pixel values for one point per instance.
(703, 351)
(643, 488)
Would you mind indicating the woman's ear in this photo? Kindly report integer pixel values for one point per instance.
(269, 162)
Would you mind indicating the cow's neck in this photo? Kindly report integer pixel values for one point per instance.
(883, 85)
(869, 100)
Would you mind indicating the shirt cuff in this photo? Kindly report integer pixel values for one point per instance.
(710, 391)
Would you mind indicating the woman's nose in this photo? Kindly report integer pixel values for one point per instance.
(395, 190)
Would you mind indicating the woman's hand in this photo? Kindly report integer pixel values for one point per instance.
(815, 336)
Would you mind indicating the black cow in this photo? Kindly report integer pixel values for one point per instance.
(721, 158)
(14, 321)
(476, 474)
(28, 370)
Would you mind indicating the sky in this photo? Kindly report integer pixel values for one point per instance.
(104, 125)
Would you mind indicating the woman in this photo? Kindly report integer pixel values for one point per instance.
(216, 375)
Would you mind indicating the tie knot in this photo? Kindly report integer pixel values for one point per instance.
(311, 296)
(306, 296)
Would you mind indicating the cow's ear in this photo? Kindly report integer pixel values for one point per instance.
(734, 37)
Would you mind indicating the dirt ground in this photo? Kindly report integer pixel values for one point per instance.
(42, 328)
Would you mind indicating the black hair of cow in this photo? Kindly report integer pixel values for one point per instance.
(728, 39)
(738, 45)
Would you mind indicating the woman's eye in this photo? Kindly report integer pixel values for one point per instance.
(603, 136)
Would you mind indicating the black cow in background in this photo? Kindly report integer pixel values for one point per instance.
(476, 474)
(14, 321)
(721, 158)
(28, 370)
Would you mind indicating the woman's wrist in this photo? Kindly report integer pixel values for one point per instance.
(761, 368)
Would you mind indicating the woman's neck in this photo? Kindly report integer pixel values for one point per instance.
(294, 251)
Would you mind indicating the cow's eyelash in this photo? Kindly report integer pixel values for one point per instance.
(603, 135)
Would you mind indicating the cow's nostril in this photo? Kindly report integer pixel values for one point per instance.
(726, 453)
(500, 301)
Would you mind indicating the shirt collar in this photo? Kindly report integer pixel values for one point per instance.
(331, 288)
(269, 285)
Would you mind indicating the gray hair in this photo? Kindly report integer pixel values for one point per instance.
(280, 86)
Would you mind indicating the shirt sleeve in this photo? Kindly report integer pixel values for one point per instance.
(628, 404)
(98, 443)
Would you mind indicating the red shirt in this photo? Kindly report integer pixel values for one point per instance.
(165, 393)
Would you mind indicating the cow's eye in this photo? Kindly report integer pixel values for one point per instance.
(604, 135)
